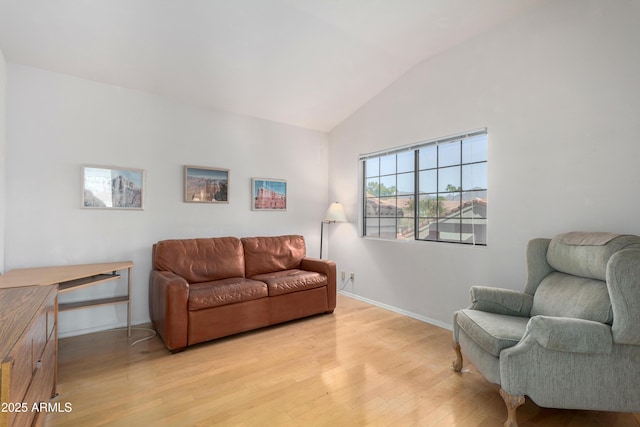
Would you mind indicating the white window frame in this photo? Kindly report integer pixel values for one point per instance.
(476, 206)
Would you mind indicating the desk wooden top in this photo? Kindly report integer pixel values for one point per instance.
(52, 275)
(17, 307)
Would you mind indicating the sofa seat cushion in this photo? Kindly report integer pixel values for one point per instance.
(226, 291)
(493, 332)
(294, 280)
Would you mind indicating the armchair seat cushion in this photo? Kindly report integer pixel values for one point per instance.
(294, 280)
(223, 292)
(493, 332)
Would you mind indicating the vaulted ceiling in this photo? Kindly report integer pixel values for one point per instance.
(308, 63)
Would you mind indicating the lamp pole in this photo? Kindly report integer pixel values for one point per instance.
(322, 234)
(335, 213)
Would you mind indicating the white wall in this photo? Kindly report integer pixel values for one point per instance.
(558, 91)
(56, 123)
(3, 82)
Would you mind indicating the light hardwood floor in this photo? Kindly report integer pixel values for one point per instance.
(362, 365)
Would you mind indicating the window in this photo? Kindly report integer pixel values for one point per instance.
(434, 190)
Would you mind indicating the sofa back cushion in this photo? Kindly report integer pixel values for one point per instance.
(200, 260)
(269, 254)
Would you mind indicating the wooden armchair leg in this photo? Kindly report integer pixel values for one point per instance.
(512, 402)
(456, 365)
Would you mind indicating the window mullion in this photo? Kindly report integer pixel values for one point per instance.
(438, 192)
(395, 197)
(416, 192)
(460, 205)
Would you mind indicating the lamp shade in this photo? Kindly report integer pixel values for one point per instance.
(335, 213)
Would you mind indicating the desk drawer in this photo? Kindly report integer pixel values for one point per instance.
(51, 314)
(26, 357)
(20, 365)
(38, 335)
(21, 369)
(28, 351)
(41, 388)
(42, 328)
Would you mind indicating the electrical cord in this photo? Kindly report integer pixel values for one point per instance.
(345, 283)
(153, 334)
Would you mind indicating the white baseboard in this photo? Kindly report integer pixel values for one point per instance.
(399, 310)
(103, 328)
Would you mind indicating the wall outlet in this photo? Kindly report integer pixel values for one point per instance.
(342, 275)
(352, 276)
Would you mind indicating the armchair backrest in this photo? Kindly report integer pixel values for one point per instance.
(586, 254)
(574, 279)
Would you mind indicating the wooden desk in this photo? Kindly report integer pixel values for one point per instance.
(28, 330)
(28, 352)
(73, 277)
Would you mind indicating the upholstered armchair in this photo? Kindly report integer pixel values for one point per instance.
(572, 338)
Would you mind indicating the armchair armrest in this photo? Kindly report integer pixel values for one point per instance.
(537, 266)
(168, 299)
(501, 301)
(328, 268)
(571, 335)
(623, 276)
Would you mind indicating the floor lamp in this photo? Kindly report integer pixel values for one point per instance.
(335, 213)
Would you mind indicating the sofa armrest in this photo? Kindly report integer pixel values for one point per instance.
(501, 301)
(168, 299)
(328, 268)
(571, 335)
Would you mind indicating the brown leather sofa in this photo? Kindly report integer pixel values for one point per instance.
(202, 289)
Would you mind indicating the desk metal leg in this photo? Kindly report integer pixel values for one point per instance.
(129, 302)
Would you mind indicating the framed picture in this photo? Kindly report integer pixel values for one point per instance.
(206, 185)
(110, 187)
(268, 194)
